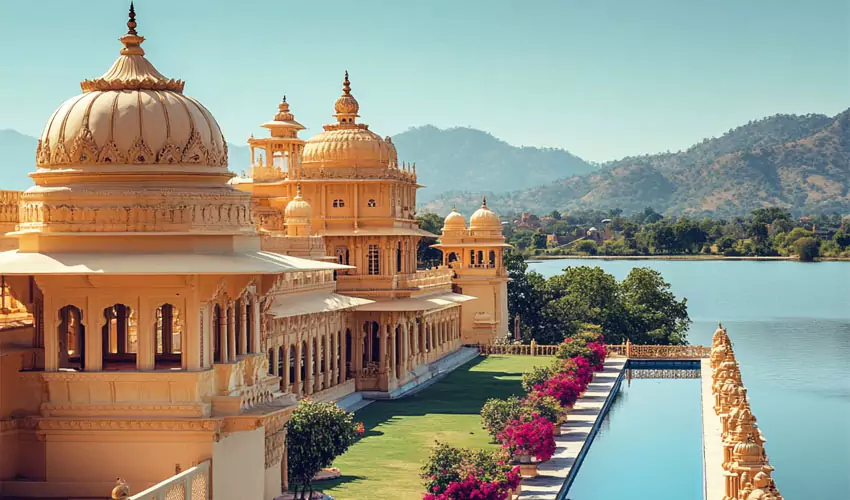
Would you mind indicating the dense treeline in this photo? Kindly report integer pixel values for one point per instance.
(640, 308)
(766, 232)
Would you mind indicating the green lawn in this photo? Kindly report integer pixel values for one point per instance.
(385, 463)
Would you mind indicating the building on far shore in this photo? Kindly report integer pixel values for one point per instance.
(158, 312)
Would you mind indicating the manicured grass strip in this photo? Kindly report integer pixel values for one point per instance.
(385, 463)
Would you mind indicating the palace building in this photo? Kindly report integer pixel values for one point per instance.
(158, 312)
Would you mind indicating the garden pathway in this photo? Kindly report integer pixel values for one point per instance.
(574, 434)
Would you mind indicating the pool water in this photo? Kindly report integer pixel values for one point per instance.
(649, 444)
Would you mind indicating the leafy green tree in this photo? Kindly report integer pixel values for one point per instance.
(526, 295)
(653, 314)
(662, 238)
(538, 240)
(555, 215)
(769, 215)
(425, 255)
(585, 246)
(807, 249)
(842, 238)
(316, 434)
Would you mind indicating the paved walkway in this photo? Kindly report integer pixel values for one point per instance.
(574, 434)
(712, 447)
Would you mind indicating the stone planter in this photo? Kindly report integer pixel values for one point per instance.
(515, 493)
(528, 471)
(556, 430)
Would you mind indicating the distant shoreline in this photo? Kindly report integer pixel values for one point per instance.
(540, 258)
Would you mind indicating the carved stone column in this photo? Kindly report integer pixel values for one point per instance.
(146, 331)
(298, 384)
(231, 331)
(255, 324)
(51, 336)
(383, 358)
(308, 383)
(243, 327)
(222, 329)
(319, 348)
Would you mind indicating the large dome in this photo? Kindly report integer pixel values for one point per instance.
(348, 143)
(131, 115)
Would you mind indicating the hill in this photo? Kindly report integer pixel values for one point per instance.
(449, 158)
(17, 160)
(801, 163)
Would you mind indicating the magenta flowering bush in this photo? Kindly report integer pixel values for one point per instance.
(598, 352)
(563, 387)
(459, 474)
(475, 486)
(533, 436)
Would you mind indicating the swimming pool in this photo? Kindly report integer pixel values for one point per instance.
(649, 443)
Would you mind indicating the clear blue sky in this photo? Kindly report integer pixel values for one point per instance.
(603, 79)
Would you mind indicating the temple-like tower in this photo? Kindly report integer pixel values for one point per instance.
(144, 274)
(476, 255)
(362, 204)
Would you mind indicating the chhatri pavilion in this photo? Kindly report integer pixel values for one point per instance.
(159, 312)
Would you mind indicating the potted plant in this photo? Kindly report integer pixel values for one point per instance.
(527, 438)
(497, 412)
(562, 387)
(536, 376)
(460, 474)
(546, 407)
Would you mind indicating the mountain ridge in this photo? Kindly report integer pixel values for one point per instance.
(799, 162)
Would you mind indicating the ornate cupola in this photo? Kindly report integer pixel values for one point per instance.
(348, 143)
(132, 155)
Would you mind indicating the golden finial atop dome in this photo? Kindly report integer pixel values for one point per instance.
(131, 71)
(283, 113)
(346, 106)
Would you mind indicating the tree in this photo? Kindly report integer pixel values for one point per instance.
(586, 246)
(538, 240)
(770, 215)
(425, 255)
(842, 238)
(555, 215)
(526, 295)
(662, 238)
(653, 314)
(316, 434)
(807, 249)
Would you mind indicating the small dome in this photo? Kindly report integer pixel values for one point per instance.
(748, 450)
(298, 208)
(131, 115)
(455, 220)
(485, 219)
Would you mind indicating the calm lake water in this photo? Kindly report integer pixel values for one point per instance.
(790, 324)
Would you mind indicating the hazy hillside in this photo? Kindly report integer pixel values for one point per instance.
(17, 160)
(458, 158)
(798, 162)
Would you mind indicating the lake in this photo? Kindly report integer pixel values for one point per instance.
(790, 325)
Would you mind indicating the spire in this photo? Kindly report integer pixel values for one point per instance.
(132, 41)
(484, 202)
(298, 190)
(346, 106)
(131, 24)
(284, 98)
(346, 85)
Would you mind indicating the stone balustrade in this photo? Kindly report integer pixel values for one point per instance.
(625, 350)
(420, 280)
(747, 471)
(193, 483)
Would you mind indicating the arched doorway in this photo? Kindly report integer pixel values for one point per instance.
(216, 331)
(120, 338)
(168, 338)
(72, 339)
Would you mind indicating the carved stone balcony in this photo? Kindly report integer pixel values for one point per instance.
(125, 394)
